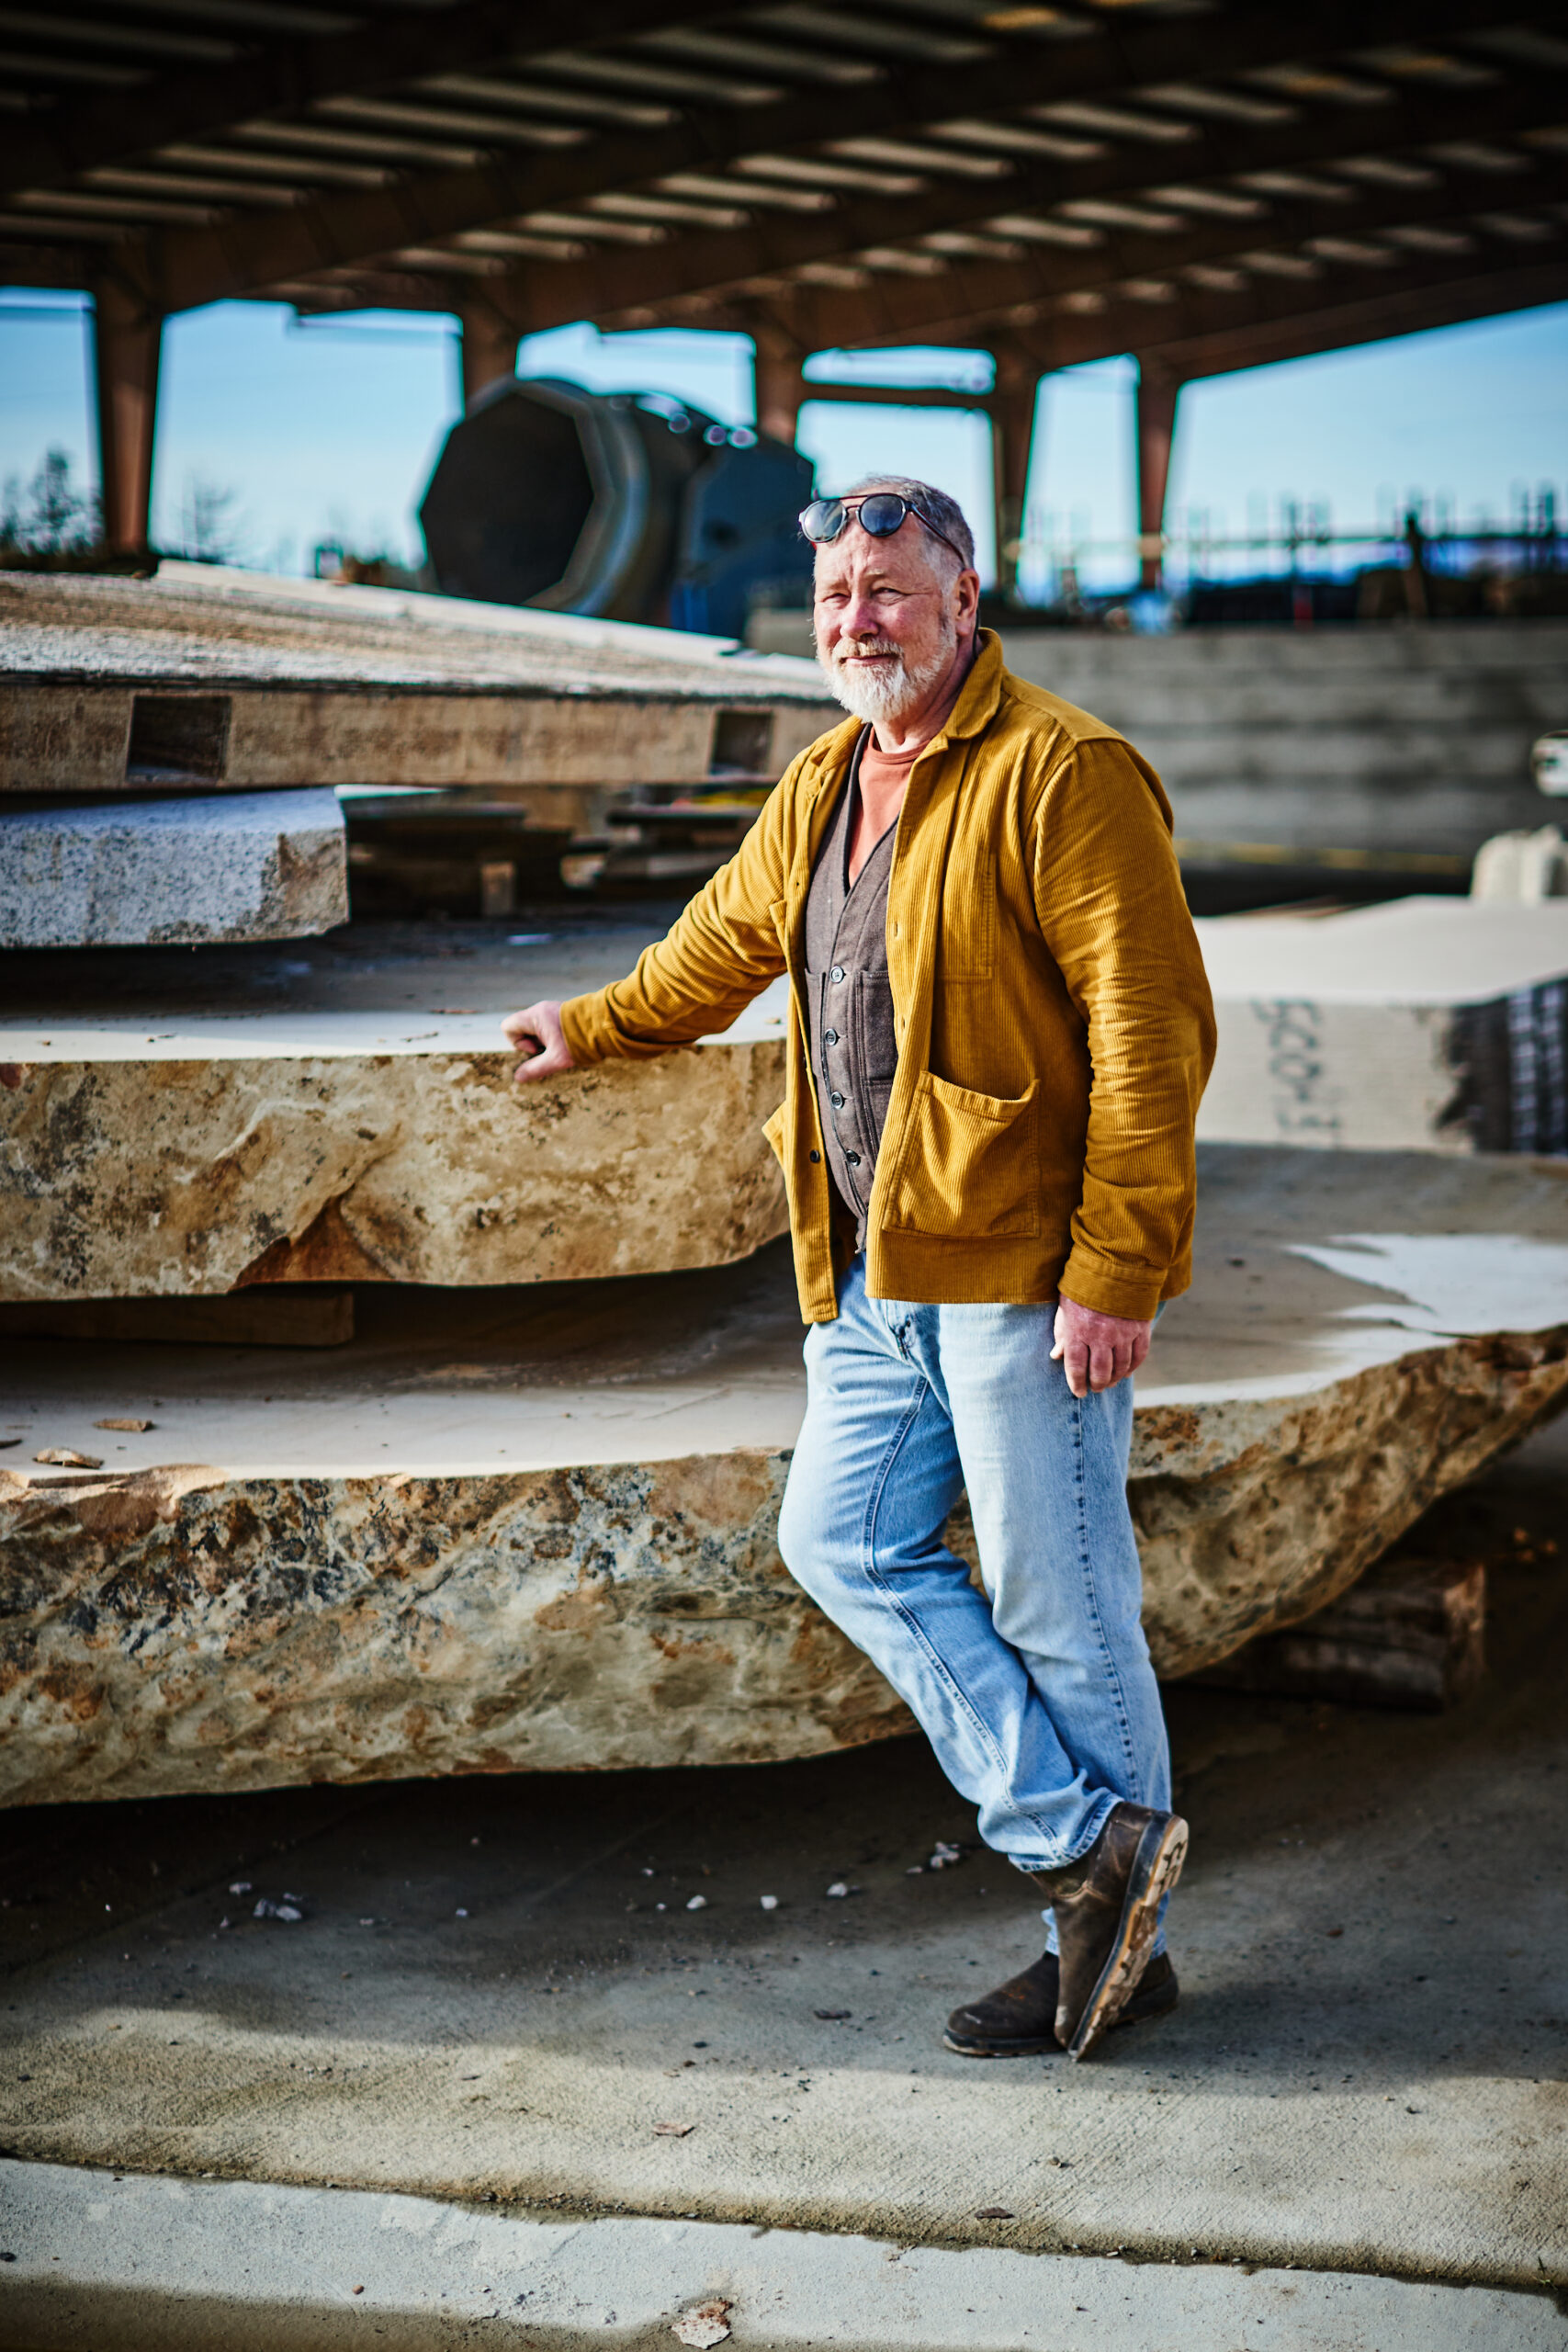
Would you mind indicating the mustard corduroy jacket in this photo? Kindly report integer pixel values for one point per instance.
(1054, 1019)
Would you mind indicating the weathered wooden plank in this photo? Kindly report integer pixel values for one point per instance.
(113, 685)
(1411, 1634)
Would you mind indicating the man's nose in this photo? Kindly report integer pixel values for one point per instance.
(860, 617)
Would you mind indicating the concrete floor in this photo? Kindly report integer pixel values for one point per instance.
(499, 1989)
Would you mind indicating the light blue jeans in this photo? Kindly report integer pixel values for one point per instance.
(1039, 1701)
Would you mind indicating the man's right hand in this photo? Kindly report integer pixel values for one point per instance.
(537, 1035)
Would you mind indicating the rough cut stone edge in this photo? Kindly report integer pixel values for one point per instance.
(142, 1179)
(179, 1630)
(198, 872)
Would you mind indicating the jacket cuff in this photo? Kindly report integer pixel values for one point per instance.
(586, 1028)
(1107, 1288)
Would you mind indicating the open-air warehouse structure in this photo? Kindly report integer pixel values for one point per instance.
(1207, 184)
(213, 1152)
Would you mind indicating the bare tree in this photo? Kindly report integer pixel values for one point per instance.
(211, 531)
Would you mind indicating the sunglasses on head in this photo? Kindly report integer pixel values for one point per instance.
(879, 515)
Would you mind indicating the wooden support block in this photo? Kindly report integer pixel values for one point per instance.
(1411, 1634)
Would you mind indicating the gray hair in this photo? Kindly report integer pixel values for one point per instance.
(935, 505)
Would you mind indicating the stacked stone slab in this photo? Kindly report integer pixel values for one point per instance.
(524, 1518)
(516, 1531)
(159, 697)
(1438, 1023)
(270, 1119)
(247, 865)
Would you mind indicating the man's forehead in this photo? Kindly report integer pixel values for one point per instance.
(906, 557)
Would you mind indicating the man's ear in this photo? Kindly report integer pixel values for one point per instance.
(966, 599)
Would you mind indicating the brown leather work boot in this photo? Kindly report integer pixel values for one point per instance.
(1019, 2019)
(1106, 1907)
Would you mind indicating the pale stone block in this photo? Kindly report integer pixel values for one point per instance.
(1433, 1023)
(240, 865)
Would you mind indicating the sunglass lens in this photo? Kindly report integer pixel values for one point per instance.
(882, 515)
(823, 520)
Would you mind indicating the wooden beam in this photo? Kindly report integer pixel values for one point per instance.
(1012, 406)
(1344, 322)
(284, 77)
(1214, 334)
(963, 301)
(628, 289)
(490, 349)
(250, 251)
(1156, 396)
(126, 336)
(780, 387)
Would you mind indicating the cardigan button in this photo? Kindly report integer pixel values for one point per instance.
(815, 1157)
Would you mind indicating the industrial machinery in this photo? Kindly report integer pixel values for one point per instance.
(630, 506)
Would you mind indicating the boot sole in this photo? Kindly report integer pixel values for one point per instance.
(1157, 1866)
(1050, 2047)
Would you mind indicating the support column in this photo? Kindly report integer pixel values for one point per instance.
(489, 350)
(781, 389)
(1157, 397)
(1013, 407)
(127, 337)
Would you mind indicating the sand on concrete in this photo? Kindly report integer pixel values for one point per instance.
(501, 1986)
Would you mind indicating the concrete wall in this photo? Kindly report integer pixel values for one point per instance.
(1372, 738)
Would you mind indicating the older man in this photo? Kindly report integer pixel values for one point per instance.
(1001, 1032)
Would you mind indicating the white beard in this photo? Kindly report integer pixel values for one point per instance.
(878, 695)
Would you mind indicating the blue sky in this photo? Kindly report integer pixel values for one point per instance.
(327, 430)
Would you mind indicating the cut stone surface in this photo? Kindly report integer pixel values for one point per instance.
(185, 1126)
(1438, 1023)
(501, 1531)
(239, 681)
(353, 1117)
(241, 865)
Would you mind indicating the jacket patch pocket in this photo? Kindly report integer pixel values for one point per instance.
(968, 949)
(970, 1167)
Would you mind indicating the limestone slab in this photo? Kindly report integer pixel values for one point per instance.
(1433, 1022)
(178, 1126)
(241, 865)
(353, 1117)
(238, 682)
(500, 1531)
